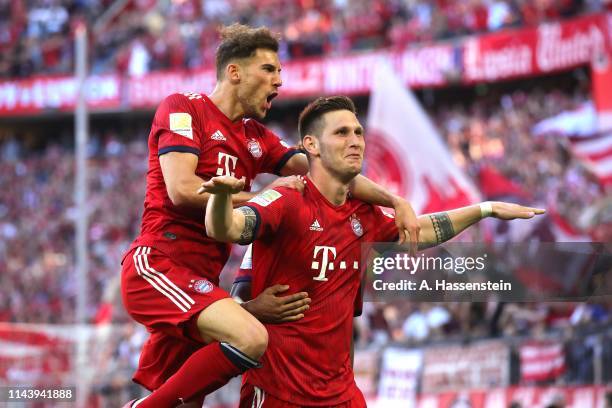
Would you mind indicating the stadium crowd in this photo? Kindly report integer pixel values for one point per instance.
(137, 36)
(493, 131)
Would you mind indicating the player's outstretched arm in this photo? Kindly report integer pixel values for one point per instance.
(223, 223)
(440, 227)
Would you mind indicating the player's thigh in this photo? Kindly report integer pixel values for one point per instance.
(225, 320)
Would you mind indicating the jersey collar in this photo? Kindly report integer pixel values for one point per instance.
(315, 191)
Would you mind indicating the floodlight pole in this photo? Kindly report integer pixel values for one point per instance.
(80, 193)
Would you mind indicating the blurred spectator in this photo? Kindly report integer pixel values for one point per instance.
(427, 321)
(139, 59)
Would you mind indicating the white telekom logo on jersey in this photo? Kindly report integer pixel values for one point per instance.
(326, 262)
(227, 164)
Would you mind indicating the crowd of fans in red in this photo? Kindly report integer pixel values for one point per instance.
(137, 36)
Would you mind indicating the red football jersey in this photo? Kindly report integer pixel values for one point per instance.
(311, 245)
(192, 123)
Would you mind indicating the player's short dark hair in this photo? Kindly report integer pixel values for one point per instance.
(309, 122)
(241, 41)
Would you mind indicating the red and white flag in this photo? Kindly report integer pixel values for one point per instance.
(589, 140)
(589, 128)
(596, 154)
(406, 154)
(541, 360)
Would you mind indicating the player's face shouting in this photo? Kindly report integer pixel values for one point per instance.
(259, 83)
(342, 144)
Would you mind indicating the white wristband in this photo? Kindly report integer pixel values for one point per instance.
(486, 209)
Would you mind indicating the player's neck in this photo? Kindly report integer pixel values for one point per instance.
(333, 189)
(224, 99)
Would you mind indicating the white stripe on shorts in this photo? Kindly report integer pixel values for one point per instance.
(258, 398)
(164, 277)
(156, 282)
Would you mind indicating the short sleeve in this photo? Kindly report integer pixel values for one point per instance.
(269, 207)
(278, 152)
(386, 230)
(177, 126)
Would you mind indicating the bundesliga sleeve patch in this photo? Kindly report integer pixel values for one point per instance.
(181, 123)
(266, 198)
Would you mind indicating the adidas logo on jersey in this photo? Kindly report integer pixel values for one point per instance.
(316, 226)
(218, 136)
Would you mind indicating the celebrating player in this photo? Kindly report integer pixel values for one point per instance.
(311, 241)
(199, 336)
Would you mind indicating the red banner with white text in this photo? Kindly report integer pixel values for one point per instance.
(42, 94)
(535, 51)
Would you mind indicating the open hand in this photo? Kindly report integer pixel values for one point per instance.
(294, 182)
(407, 225)
(509, 211)
(268, 307)
(222, 184)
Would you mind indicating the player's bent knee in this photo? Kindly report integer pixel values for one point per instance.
(226, 321)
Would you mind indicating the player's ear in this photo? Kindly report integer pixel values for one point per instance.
(310, 144)
(232, 72)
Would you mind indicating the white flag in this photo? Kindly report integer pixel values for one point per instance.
(406, 154)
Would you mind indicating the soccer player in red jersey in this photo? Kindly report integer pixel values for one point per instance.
(311, 241)
(199, 336)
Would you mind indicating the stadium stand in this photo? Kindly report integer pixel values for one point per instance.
(137, 37)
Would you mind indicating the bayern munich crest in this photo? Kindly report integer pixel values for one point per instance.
(356, 225)
(254, 148)
(201, 285)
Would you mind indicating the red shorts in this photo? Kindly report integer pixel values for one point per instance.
(255, 397)
(165, 297)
